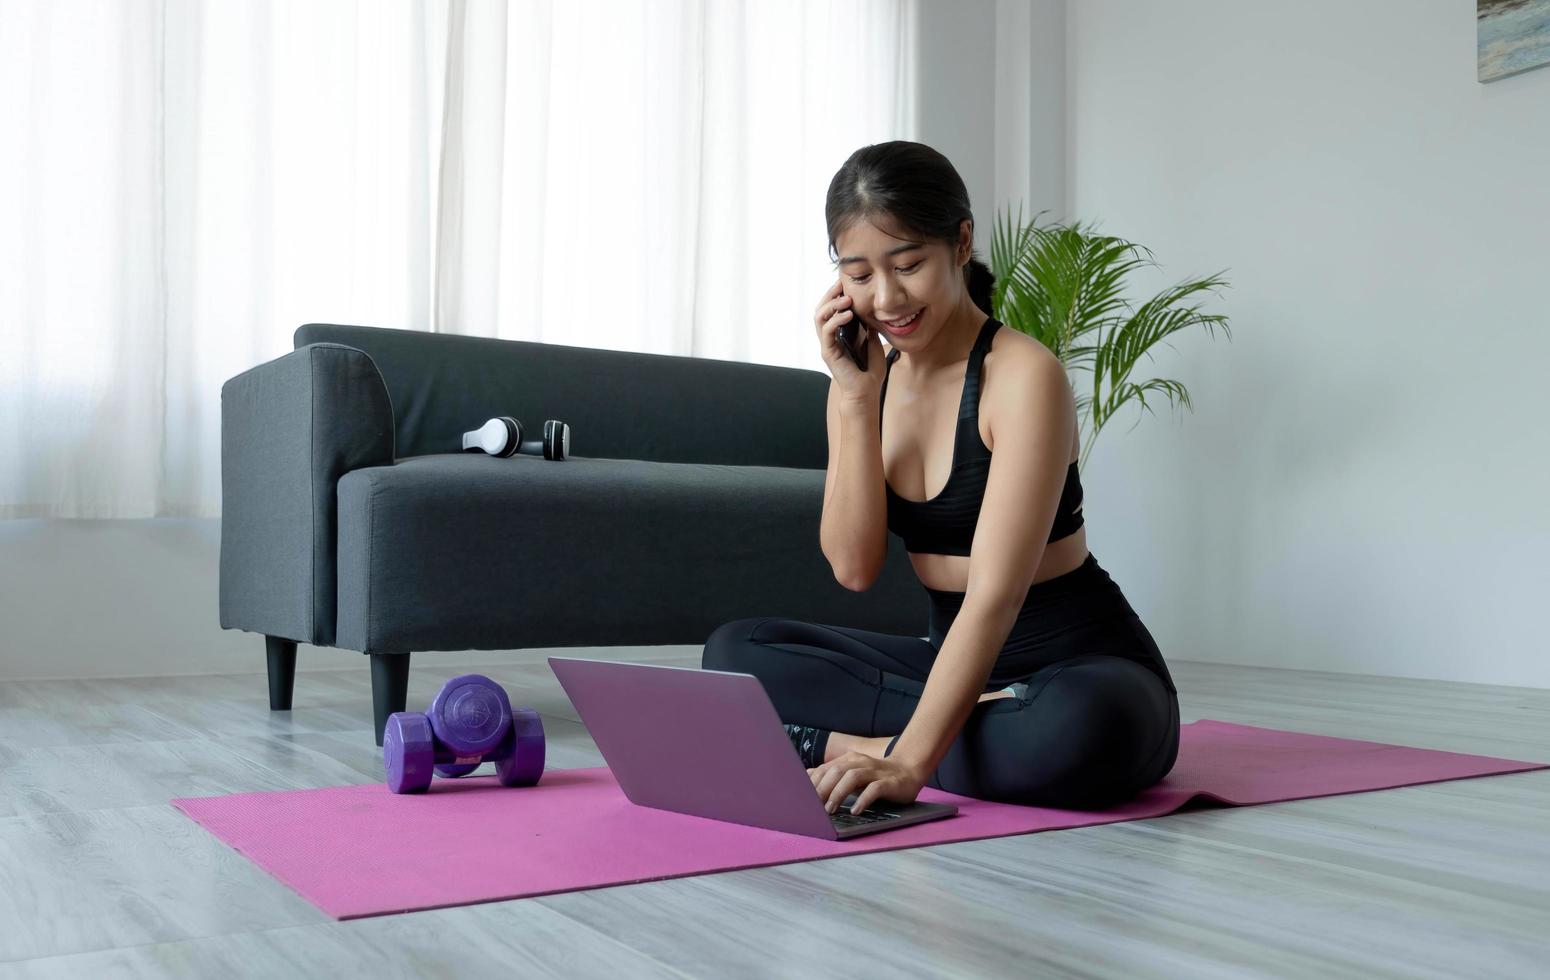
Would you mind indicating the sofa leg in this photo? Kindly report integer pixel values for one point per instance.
(282, 671)
(389, 686)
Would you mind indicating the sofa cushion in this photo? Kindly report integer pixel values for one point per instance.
(460, 551)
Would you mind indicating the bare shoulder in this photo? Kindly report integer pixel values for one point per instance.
(1018, 347)
(1021, 365)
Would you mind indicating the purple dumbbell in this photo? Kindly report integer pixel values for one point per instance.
(470, 722)
(470, 716)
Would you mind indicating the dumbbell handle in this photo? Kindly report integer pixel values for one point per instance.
(446, 757)
(523, 738)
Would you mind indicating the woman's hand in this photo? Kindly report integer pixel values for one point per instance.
(834, 311)
(869, 777)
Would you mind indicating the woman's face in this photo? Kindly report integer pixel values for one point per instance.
(892, 277)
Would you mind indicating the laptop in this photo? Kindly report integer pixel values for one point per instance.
(709, 743)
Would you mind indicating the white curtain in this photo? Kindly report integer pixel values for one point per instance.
(183, 183)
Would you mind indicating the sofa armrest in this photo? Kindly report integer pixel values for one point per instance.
(290, 428)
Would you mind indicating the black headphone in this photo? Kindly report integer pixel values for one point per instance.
(502, 436)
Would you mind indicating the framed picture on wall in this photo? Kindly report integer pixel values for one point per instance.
(1511, 36)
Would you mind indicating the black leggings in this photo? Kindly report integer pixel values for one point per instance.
(1099, 721)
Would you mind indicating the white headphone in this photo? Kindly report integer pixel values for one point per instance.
(502, 436)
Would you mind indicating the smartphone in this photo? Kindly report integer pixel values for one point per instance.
(853, 341)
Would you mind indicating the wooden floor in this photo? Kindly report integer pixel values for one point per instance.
(100, 877)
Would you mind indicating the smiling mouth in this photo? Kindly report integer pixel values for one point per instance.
(908, 322)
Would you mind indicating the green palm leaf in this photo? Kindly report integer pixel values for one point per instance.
(1063, 286)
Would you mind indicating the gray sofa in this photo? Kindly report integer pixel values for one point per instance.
(352, 518)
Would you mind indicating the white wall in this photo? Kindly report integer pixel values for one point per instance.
(107, 598)
(132, 598)
(992, 99)
(957, 102)
(1361, 487)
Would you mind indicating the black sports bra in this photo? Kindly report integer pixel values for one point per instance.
(944, 524)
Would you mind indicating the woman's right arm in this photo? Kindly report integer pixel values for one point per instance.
(853, 532)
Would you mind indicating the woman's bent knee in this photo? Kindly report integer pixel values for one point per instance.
(728, 645)
(1084, 738)
(1130, 719)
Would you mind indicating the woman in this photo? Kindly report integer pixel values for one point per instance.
(1091, 715)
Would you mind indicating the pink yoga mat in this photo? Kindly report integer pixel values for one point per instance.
(355, 851)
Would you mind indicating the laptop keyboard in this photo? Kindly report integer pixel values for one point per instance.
(842, 817)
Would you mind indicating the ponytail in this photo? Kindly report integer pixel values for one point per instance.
(979, 280)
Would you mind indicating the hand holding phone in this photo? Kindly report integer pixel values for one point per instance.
(853, 352)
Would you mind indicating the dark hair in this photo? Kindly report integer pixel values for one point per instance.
(916, 186)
